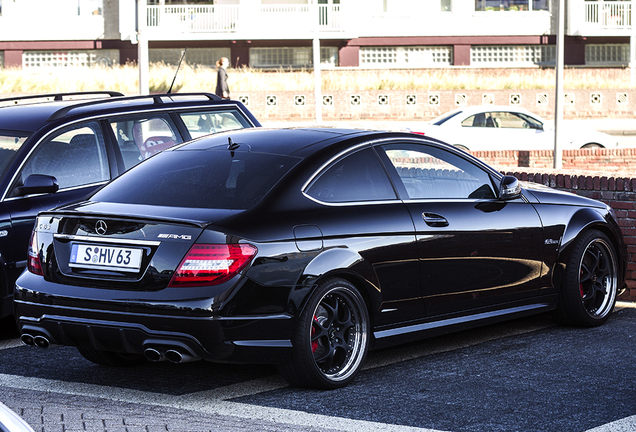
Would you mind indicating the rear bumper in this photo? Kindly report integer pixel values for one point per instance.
(136, 338)
(192, 331)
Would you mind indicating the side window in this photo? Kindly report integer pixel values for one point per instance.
(207, 122)
(356, 177)
(75, 157)
(481, 120)
(141, 137)
(433, 173)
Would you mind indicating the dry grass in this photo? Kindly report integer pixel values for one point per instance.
(192, 78)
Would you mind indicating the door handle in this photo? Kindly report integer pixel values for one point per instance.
(434, 220)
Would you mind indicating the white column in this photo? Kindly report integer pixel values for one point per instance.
(632, 46)
(558, 104)
(142, 49)
(317, 79)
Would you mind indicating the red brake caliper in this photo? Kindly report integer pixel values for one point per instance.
(314, 344)
(581, 285)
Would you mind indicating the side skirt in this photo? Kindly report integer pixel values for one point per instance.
(412, 332)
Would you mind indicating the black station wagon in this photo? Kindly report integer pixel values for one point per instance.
(55, 149)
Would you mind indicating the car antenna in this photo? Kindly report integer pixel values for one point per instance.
(231, 145)
(178, 66)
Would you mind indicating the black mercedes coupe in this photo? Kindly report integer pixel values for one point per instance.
(306, 248)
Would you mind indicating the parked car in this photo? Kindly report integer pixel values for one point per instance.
(308, 247)
(491, 127)
(55, 149)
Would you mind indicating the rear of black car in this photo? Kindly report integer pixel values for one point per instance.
(105, 276)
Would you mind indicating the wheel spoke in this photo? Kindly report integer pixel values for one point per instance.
(331, 334)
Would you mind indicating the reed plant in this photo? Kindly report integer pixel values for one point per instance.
(193, 78)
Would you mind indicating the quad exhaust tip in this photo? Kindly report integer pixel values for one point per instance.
(38, 341)
(172, 355)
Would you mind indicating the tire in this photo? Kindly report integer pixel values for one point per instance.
(592, 146)
(109, 358)
(590, 287)
(331, 339)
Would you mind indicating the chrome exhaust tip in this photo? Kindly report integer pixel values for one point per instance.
(41, 342)
(153, 355)
(27, 339)
(175, 356)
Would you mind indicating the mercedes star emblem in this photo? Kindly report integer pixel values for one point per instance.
(101, 227)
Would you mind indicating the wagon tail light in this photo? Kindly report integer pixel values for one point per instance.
(212, 264)
(34, 264)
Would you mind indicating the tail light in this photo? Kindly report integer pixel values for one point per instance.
(34, 264)
(212, 264)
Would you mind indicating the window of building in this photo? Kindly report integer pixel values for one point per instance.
(512, 55)
(607, 54)
(75, 58)
(1, 59)
(194, 56)
(411, 56)
(511, 5)
(291, 57)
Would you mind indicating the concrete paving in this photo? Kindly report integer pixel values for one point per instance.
(527, 375)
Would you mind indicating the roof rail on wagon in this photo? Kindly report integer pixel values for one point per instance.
(56, 97)
(156, 99)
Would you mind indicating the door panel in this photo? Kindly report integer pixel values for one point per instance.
(486, 252)
(474, 250)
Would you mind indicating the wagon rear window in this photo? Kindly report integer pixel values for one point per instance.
(10, 143)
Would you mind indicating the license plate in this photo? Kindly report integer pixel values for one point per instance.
(105, 257)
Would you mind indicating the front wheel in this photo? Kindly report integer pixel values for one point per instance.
(590, 287)
(331, 339)
(592, 146)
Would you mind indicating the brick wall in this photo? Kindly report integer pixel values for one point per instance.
(415, 105)
(608, 160)
(618, 190)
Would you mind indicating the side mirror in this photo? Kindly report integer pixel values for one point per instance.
(38, 183)
(509, 188)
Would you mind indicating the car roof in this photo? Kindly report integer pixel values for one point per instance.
(298, 142)
(489, 108)
(31, 116)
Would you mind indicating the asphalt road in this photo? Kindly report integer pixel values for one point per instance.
(526, 375)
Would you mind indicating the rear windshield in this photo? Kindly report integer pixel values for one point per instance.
(10, 143)
(199, 179)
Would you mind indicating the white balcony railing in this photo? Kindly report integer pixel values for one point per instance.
(608, 14)
(237, 18)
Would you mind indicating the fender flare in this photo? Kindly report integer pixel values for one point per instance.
(345, 263)
(580, 221)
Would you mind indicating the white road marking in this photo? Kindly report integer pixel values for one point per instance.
(628, 424)
(207, 402)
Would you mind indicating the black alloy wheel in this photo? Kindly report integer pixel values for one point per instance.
(591, 281)
(331, 340)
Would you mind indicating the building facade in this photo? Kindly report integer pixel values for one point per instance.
(279, 33)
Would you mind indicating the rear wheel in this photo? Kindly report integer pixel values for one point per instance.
(109, 358)
(590, 287)
(592, 146)
(331, 339)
